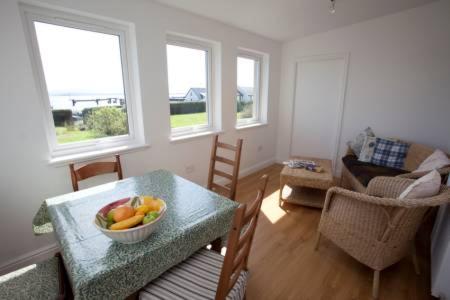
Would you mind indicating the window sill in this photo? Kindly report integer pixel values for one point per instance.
(190, 136)
(80, 157)
(250, 125)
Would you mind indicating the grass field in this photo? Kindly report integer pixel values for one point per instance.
(188, 120)
(63, 135)
(192, 119)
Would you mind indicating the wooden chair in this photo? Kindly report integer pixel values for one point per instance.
(228, 191)
(44, 280)
(207, 274)
(94, 169)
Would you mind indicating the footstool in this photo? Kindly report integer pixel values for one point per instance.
(307, 186)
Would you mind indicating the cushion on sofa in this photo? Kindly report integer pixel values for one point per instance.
(364, 171)
(357, 143)
(389, 153)
(368, 149)
(436, 160)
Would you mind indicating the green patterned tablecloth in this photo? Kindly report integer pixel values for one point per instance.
(100, 268)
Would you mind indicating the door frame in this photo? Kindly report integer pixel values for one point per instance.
(323, 57)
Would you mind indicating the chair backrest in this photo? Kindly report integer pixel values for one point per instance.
(94, 169)
(228, 191)
(240, 241)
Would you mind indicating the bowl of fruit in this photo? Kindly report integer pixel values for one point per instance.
(130, 220)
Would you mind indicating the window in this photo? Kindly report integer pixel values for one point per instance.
(189, 69)
(86, 81)
(248, 89)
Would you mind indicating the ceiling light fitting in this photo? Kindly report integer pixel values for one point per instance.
(332, 6)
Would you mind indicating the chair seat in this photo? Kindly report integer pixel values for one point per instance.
(39, 281)
(195, 278)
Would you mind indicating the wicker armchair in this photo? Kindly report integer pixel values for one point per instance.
(376, 228)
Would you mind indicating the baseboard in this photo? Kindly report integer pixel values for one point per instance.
(29, 258)
(256, 167)
(248, 171)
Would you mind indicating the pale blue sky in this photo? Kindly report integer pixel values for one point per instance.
(84, 62)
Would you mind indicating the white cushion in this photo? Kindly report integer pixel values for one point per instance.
(195, 278)
(357, 143)
(368, 149)
(436, 160)
(425, 186)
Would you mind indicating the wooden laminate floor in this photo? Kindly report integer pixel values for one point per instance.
(283, 264)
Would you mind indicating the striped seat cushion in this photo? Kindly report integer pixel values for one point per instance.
(195, 278)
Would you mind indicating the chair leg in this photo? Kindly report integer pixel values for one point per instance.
(415, 260)
(376, 284)
(316, 244)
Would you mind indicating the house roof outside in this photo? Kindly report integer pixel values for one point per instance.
(200, 93)
(245, 91)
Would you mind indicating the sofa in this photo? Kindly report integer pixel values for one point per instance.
(356, 175)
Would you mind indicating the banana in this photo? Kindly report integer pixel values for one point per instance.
(127, 223)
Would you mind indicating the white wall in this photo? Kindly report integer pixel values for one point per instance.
(398, 80)
(26, 179)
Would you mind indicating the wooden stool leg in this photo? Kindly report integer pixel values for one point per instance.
(316, 244)
(280, 199)
(376, 284)
(415, 260)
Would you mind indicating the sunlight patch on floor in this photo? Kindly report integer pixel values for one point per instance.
(271, 209)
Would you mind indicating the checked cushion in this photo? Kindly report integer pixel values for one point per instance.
(389, 153)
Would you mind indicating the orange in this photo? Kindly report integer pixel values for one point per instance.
(122, 213)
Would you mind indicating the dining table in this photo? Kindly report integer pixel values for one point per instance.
(100, 268)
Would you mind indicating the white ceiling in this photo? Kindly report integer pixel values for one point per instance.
(289, 19)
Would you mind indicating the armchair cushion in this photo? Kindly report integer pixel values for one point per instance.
(424, 187)
(364, 171)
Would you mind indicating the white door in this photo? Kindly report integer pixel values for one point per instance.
(318, 103)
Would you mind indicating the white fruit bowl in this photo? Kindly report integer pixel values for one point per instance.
(131, 235)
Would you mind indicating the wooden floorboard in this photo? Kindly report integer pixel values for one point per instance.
(283, 264)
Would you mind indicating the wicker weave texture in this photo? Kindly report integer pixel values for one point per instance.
(305, 178)
(417, 153)
(376, 228)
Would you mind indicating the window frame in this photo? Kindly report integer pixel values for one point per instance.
(259, 60)
(181, 41)
(124, 32)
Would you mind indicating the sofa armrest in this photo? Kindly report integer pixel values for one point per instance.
(415, 175)
(349, 151)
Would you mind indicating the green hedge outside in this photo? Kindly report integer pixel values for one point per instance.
(191, 107)
(62, 117)
(87, 111)
(241, 105)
